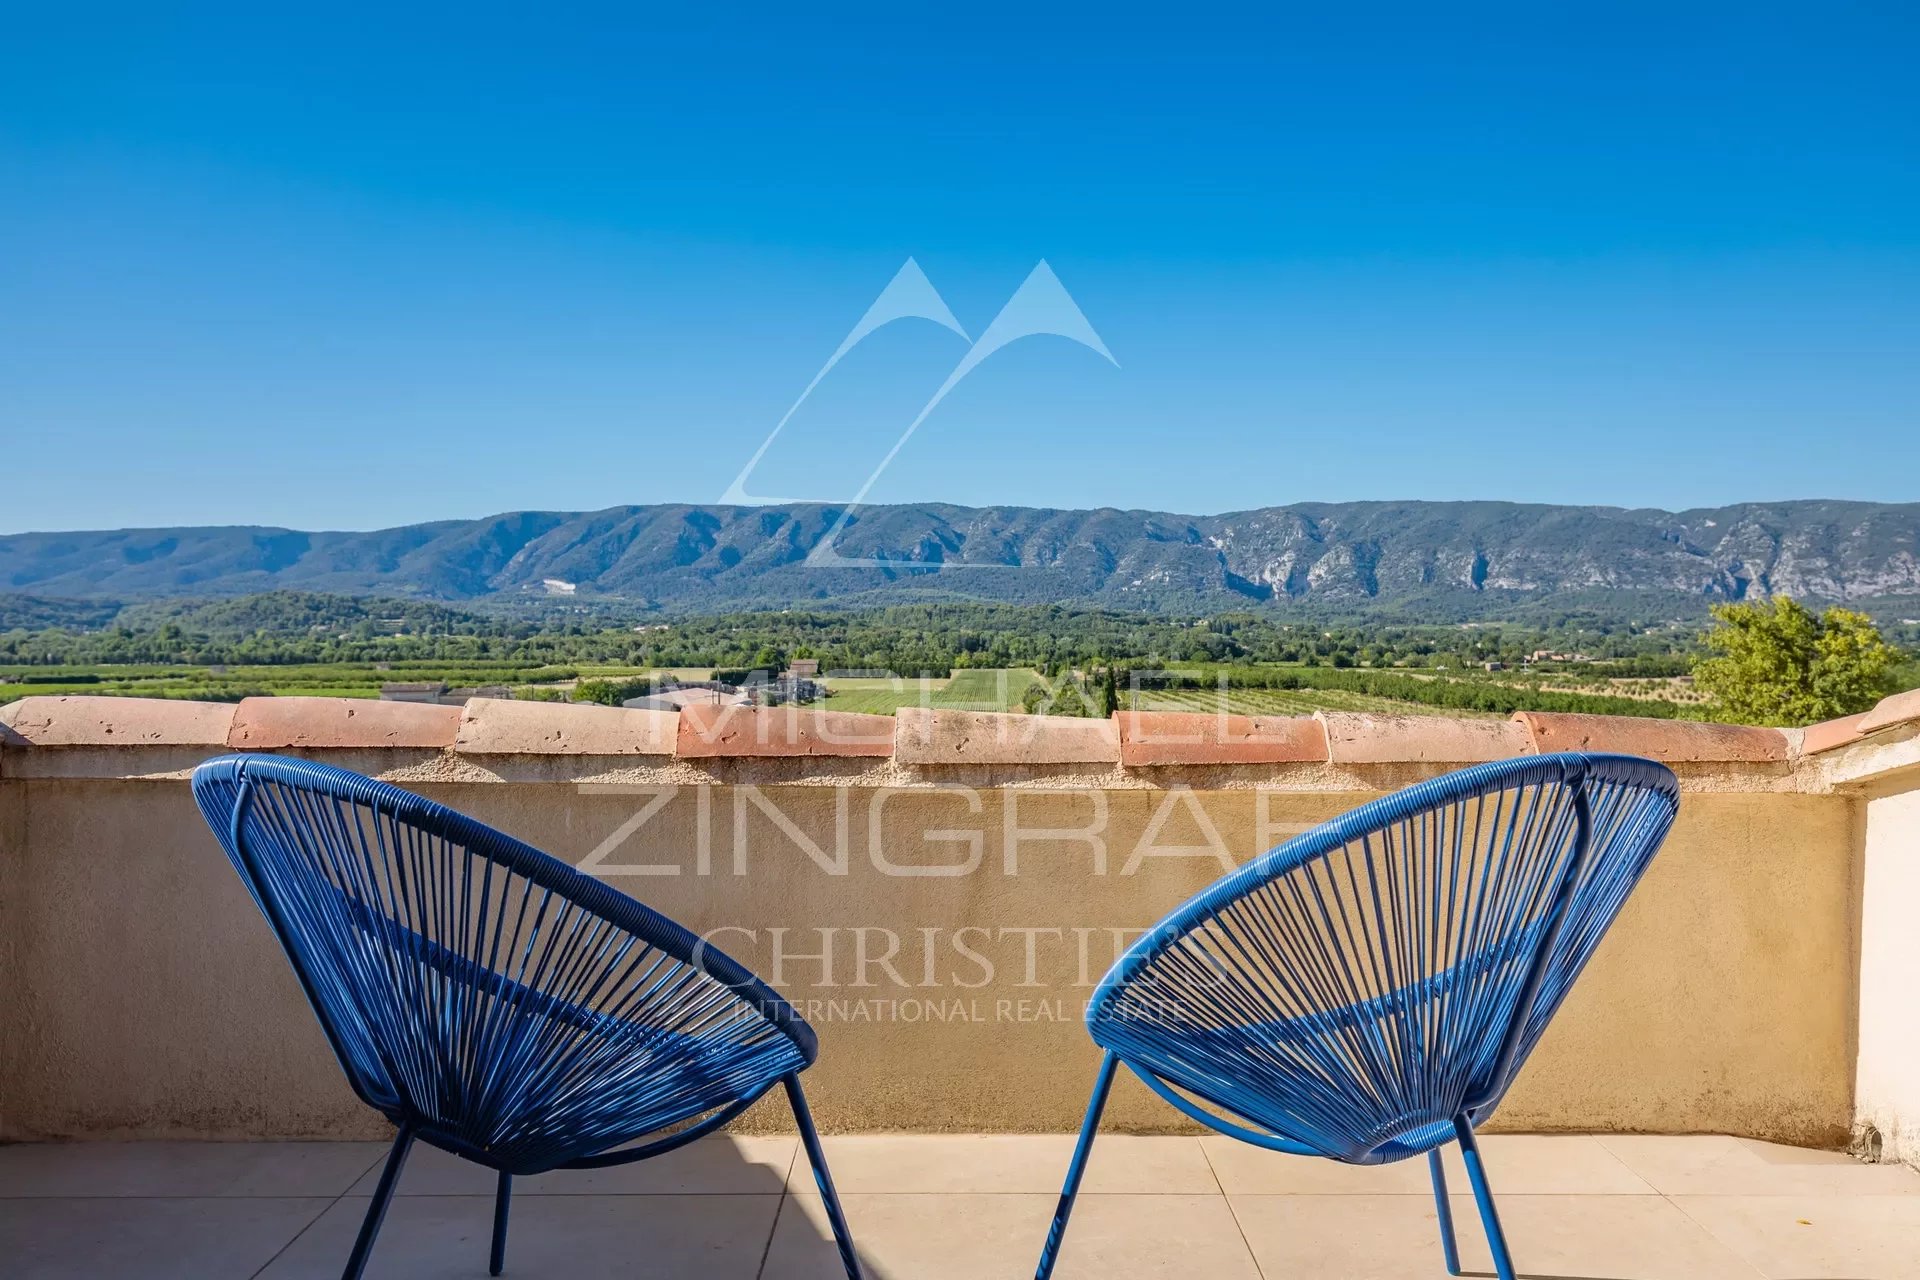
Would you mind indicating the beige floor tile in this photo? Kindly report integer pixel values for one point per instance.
(1529, 1165)
(1863, 1237)
(218, 1238)
(967, 1208)
(1009, 1162)
(724, 1165)
(1611, 1236)
(1709, 1165)
(1516, 1165)
(184, 1168)
(1780, 1153)
(715, 1237)
(1244, 1169)
(984, 1237)
(1606, 1237)
(1354, 1237)
(912, 1237)
(1153, 1238)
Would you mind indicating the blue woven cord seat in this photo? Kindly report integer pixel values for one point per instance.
(1368, 991)
(489, 999)
(1213, 1063)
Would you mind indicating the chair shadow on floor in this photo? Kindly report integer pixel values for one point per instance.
(726, 1207)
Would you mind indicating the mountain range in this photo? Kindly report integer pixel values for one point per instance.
(1442, 559)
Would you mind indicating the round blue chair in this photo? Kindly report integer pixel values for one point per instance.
(1367, 991)
(489, 999)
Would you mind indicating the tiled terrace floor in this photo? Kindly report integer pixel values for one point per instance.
(962, 1208)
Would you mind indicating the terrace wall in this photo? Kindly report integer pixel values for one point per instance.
(1876, 758)
(974, 874)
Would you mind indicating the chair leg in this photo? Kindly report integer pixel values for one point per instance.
(377, 1211)
(502, 1196)
(822, 1178)
(1102, 1085)
(1444, 1208)
(1483, 1196)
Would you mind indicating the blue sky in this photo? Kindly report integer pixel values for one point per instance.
(342, 270)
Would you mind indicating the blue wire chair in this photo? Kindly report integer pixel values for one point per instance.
(1368, 991)
(489, 999)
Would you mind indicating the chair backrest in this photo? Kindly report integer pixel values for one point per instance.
(459, 972)
(1361, 986)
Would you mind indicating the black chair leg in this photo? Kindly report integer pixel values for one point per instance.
(377, 1211)
(497, 1260)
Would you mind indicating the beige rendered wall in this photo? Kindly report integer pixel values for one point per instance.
(144, 996)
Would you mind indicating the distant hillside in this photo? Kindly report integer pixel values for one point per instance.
(28, 613)
(292, 612)
(1432, 559)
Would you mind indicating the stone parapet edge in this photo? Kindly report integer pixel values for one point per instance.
(917, 738)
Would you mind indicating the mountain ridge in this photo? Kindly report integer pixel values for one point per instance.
(1447, 557)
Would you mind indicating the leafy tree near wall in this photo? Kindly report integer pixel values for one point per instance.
(611, 693)
(1068, 697)
(1779, 663)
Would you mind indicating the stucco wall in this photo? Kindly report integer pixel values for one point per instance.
(145, 996)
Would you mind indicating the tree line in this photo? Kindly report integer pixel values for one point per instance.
(280, 628)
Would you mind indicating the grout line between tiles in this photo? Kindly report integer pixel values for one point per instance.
(1601, 1142)
(294, 1239)
(1714, 1236)
(786, 1194)
(1232, 1212)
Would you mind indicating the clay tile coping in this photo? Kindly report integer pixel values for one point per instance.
(1196, 737)
(502, 727)
(1898, 709)
(272, 724)
(1829, 734)
(116, 722)
(707, 731)
(936, 737)
(1355, 738)
(1674, 741)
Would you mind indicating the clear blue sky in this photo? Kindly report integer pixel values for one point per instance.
(344, 270)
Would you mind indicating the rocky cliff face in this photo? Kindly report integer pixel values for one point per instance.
(1434, 554)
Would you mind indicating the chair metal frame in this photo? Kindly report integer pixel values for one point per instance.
(1367, 991)
(489, 999)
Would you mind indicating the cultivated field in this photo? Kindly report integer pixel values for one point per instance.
(1002, 690)
(989, 689)
(1288, 702)
(318, 679)
(984, 689)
